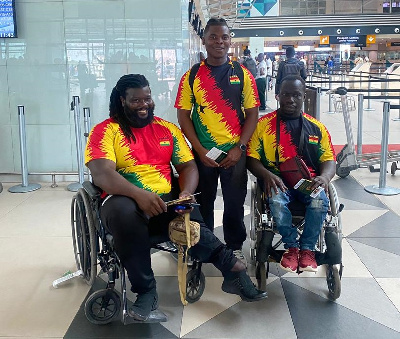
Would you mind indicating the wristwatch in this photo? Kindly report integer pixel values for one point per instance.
(242, 147)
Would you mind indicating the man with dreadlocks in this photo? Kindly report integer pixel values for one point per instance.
(129, 156)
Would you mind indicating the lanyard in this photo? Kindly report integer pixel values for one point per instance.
(278, 132)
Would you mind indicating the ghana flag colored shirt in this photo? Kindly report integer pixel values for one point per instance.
(217, 104)
(317, 142)
(144, 162)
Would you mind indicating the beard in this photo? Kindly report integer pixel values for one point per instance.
(135, 121)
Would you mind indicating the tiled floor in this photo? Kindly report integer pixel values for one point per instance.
(36, 248)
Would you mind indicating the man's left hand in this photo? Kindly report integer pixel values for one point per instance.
(320, 181)
(233, 156)
(182, 195)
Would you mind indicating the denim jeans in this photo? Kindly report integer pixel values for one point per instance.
(316, 209)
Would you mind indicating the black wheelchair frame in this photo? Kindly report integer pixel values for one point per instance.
(93, 246)
(263, 250)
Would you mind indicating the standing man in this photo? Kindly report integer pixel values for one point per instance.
(291, 66)
(299, 135)
(220, 110)
(249, 62)
(261, 79)
(268, 62)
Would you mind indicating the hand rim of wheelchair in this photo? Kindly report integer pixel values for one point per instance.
(85, 255)
(99, 314)
(194, 285)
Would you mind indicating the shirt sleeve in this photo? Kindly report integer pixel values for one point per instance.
(181, 152)
(184, 97)
(326, 149)
(250, 93)
(255, 145)
(100, 144)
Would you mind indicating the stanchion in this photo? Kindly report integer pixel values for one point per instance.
(369, 108)
(25, 186)
(398, 118)
(318, 104)
(330, 96)
(360, 123)
(386, 84)
(78, 138)
(382, 189)
(87, 125)
(86, 121)
(361, 75)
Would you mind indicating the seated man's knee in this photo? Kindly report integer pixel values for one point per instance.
(321, 202)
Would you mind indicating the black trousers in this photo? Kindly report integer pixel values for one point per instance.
(234, 190)
(134, 234)
(261, 87)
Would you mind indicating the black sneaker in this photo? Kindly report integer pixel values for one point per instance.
(144, 304)
(240, 283)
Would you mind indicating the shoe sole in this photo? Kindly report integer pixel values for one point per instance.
(288, 269)
(308, 269)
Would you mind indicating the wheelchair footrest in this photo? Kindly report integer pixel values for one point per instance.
(156, 316)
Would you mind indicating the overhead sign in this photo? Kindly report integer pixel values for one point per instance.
(286, 46)
(395, 44)
(371, 39)
(342, 39)
(324, 40)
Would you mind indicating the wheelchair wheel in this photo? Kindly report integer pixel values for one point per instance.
(102, 307)
(195, 285)
(333, 281)
(84, 237)
(255, 218)
(261, 275)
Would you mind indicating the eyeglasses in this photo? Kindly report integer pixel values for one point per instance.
(292, 95)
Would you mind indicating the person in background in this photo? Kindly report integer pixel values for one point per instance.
(291, 66)
(261, 79)
(220, 112)
(268, 62)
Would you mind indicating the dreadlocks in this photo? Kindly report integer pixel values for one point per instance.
(116, 109)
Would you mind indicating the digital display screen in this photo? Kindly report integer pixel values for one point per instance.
(8, 26)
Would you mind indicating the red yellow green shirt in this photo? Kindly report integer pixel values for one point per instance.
(146, 161)
(218, 105)
(317, 143)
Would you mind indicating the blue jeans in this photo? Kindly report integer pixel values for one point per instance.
(316, 209)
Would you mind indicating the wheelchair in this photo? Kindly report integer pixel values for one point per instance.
(93, 247)
(265, 242)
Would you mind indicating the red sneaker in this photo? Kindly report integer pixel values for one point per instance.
(290, 260)
(307, 261)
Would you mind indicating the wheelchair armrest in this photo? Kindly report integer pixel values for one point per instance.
(92, 190)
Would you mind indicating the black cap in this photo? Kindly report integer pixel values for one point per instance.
(246, 52)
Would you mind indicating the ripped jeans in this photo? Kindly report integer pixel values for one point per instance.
(316, 209)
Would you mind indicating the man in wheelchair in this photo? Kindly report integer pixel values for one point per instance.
(129, 156)
(286, 146)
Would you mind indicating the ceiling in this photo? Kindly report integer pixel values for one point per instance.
(227, 9)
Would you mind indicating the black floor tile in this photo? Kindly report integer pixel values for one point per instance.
(316, 317)
(82, 328)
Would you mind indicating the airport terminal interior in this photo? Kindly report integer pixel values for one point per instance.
(59, 61)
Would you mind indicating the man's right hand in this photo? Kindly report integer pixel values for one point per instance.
(150, 203)
(273, 182)
(206, 160)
